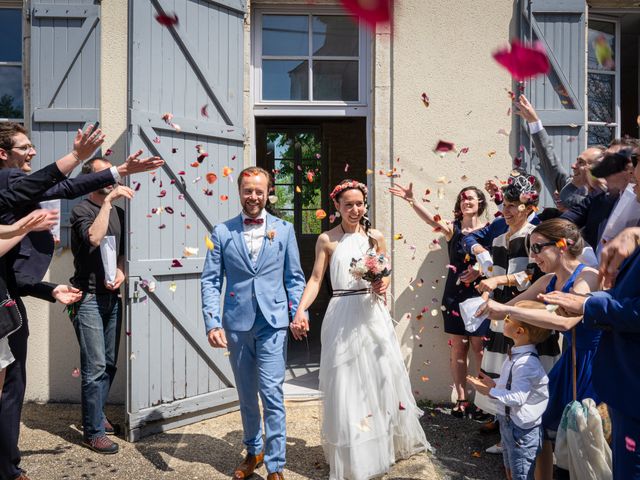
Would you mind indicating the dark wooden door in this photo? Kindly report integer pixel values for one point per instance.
(308, 157)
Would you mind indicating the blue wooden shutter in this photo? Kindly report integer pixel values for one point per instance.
(175, 377)
(65, 79)
(558, 97)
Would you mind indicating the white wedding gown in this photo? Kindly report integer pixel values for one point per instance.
(370, 418)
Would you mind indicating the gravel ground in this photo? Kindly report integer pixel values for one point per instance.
(50, 443)
(460, 448)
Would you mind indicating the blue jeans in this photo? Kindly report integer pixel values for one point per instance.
(258, 359)
(97, 321)
(520, 448)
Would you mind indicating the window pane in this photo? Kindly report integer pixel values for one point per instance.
(285, 215)
(285, 197)
(335, 80)
(285, 80)
(11, 92)
(600, 94)
(335, 36)
(11, 44)
(311, 224)
(599, 135)
(279, 146)
(285, 35)
(601, 46)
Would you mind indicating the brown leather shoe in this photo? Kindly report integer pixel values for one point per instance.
(248, 465)
(275, 476)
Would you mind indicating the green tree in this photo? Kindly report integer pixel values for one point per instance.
(8, 108)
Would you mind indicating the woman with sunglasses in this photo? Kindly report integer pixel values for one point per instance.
(509, 272)
(555, 246)
(470, 205)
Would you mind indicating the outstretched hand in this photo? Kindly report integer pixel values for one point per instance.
(402, 192)
(571, 303)
(134, 164)
(481, 383)
(525, 110)
(24, 225)
(67, 294)
(86, 143)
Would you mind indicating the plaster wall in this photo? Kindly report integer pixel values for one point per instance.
(442, 48)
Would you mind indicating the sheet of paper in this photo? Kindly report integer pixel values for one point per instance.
(109, 258)
(467, 310)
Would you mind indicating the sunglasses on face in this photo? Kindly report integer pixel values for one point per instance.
(537, 247)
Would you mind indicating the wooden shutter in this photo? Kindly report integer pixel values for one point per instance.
(175, 377)
(559, 97)
(64, 79)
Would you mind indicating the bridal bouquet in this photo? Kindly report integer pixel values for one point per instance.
(371, 267)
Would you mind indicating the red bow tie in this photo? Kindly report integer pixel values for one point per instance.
(253, 221)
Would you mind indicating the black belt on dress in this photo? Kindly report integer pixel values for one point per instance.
(348, 293)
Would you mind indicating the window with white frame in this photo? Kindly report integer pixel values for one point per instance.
(310, 58)
(11, 91)
(603, 82)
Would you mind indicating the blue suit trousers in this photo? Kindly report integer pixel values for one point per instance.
(258, 359)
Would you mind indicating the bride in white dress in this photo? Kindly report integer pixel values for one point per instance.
(370, 418)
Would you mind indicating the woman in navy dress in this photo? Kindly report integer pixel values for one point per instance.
(470, 204)
(555, 246)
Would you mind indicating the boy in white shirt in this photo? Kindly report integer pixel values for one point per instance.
(522, 394)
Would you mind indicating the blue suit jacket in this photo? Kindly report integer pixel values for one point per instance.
(276, 277)
(591, 215)
(616, 366)
(28, 261)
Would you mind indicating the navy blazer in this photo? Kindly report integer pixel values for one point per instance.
(591, 215)
(28, 261)
(616, 366)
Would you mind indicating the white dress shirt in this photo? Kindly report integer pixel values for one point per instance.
(529, 393)
(254, 235)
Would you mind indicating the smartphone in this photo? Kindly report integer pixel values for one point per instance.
(95, 127)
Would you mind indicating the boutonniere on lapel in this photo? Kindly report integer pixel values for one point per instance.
(271, 234)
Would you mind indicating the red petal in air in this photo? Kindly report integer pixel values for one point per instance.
(370, 11)
(202, 156)
(203, 110)
(523, 61)
(444, 147)
(167, 20)
(175, 263)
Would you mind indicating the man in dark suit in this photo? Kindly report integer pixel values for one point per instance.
(616, 366)
(591, 213)
(28, 262)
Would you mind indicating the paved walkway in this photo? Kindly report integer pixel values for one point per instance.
(206, 450)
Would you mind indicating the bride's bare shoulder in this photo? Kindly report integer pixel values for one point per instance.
(330, 238)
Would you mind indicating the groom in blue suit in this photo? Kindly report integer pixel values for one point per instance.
(258, 255)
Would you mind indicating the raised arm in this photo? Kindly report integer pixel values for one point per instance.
(433, 220)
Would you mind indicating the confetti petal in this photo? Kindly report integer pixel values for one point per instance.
(208, 242)
(202, 156)
(211, 177)
(203, 110)
(425, 99)
(190, 251)
(226, 171)
(321, 214)
(310, 176)
(443, 147)
(166, 20)
(371, 12)
(523, 61)
(273, 199)
(75, 373)
(630, 444)
(224, 198)
(108, 152)
(175, 263)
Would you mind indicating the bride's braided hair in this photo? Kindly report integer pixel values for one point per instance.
(349, 184)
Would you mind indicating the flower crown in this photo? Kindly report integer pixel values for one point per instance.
(348, 186)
